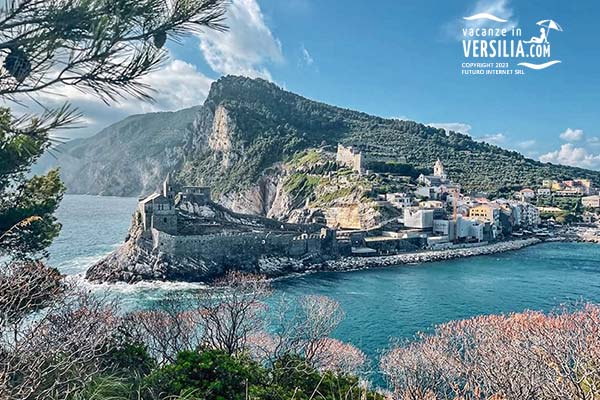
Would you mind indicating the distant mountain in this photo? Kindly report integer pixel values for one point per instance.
(127, 158)
(236, 142)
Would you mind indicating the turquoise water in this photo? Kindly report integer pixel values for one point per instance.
(379, 304)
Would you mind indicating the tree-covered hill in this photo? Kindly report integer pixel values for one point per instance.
(273, 124)
(246, 126)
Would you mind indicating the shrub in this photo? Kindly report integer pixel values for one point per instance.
(530, 355)
(212, 374)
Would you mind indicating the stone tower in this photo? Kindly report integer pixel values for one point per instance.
(438, 169)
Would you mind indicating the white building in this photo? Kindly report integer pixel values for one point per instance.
(526, 194)
(438, 170)
(529, 215)
(461, 229)
(544, 192)
(418, 218)
(399, 200)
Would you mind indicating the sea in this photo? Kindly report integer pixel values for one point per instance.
(381, 305)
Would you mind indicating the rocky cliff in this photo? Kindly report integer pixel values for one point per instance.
(240, 139)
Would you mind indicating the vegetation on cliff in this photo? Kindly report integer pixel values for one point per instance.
(268, 125)
(273, 124)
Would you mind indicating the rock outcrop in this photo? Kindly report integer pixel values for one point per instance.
(207, 240)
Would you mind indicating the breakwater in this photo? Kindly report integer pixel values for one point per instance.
(354, 263)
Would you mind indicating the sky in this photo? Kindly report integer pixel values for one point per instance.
(397, 59)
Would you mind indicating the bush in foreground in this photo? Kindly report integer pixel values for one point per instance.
(529, 355)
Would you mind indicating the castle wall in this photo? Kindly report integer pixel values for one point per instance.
(242, 248)
(165, 222)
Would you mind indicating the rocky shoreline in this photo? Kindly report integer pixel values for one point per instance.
(355, 263)
(281, 266)
(130, 264)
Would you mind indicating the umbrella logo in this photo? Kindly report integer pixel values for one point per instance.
(546, 25)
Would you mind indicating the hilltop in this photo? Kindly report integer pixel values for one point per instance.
(243, 139)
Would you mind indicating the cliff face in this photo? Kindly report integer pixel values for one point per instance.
(130, 157)
(237, 140)
(136, 260)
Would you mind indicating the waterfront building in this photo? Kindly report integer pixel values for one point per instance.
(488, 212)
(529, 215)
(463, 229)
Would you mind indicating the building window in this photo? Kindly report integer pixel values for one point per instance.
(165, 220)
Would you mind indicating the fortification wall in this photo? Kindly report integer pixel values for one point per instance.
(242, 248)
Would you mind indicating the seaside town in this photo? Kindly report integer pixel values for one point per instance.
(299, 200)
(444, 216)
(432, 218)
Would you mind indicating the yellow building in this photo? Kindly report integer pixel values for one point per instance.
(485, 212)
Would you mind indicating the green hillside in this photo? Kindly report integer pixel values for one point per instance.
(266, 125)
(273, 124)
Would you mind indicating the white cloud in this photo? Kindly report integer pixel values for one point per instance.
(594, 141)
(572, 135)
(452, 126)
(574, 156)
(495, 139)
(176, 85)
(498, 8)
(306, 57)
(526, 144)
(247, 47)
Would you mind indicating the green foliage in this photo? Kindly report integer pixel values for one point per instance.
(301, 185)
(572, 204)
(129, 358)
(331, 196)
(311, 156)
(293, 377)
(27, 204)
(213, 375)
(273, 124)
(396, 168)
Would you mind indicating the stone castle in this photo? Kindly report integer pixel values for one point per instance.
(183, 222)
(351, 157)
(358, 157)
(158, 211)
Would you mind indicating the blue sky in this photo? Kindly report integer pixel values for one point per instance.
(401, 59)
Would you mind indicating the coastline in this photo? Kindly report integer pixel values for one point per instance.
(282, 267)
(358, 263)
(579, 235)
